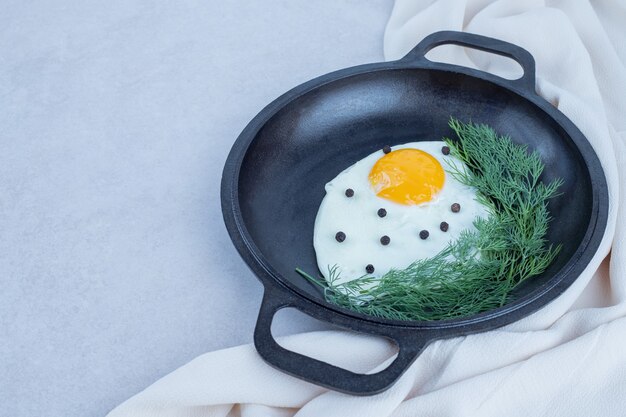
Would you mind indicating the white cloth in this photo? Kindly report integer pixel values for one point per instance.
(569, 358)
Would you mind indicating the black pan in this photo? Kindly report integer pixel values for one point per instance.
(274, 178)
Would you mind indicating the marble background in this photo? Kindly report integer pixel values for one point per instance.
(115, 120)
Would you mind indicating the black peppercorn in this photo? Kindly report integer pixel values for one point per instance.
(424, 234)
(382, 212)
(445, 150)
(385, 240)
(349, 192)
(444, 226)
(340, 236)
(456, 207)
(386, 149)
(369, 269)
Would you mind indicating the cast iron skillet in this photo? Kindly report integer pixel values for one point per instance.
(274, 177)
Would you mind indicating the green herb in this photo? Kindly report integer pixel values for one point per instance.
(478, 271)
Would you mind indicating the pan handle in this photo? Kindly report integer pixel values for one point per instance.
(482, 43)
(325, 374)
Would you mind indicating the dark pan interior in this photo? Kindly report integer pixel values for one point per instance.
(316, 136)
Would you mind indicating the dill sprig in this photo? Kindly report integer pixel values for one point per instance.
(478, 271)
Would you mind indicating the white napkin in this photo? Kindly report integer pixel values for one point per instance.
(568, 359)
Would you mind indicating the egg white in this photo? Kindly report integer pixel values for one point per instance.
(357, 217)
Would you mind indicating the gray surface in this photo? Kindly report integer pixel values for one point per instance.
(115, 120)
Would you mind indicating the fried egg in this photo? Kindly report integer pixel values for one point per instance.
(390, 209)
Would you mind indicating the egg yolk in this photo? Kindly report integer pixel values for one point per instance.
(407, 176)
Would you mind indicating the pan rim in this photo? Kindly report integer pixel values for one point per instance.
(524, 306)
